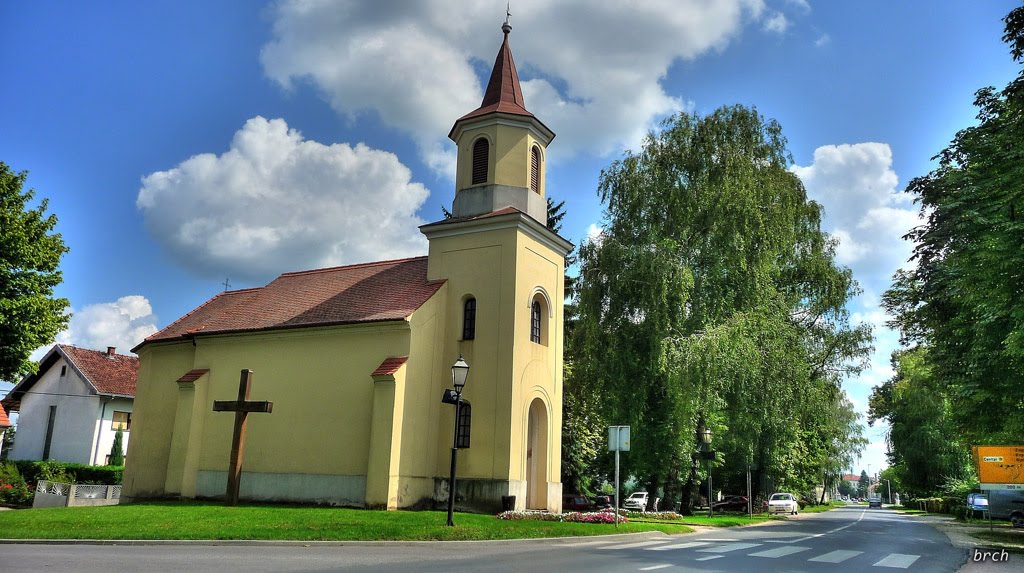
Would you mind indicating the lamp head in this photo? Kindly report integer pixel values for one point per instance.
(460, 371)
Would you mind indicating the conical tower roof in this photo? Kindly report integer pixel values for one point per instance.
(503, 93)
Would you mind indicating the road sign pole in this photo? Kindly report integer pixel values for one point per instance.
(616, 485)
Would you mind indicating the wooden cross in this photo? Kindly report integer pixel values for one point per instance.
(241, 407)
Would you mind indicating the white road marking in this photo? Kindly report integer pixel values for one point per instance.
(728, 548)
(710, 557)
(686, 545)
(634, 545)
(817, 535)
(836, 556)
(898, 560)
(653, 567)
(779, 551)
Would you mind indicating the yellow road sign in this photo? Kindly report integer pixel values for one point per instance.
(1000, 464)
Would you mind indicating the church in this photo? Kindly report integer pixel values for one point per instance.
(356, 359)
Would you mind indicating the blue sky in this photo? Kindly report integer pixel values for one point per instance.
(185, 143)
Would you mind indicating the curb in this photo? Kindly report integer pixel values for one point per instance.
(295, 543)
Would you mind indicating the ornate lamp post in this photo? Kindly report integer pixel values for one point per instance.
(460, 372)
(706, 436)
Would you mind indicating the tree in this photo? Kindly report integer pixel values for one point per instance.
(710, 295)
(924, 448)
(29, 258)
(117, 449)
(864, 485)
(963, 299)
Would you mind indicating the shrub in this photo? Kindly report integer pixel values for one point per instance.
(13, 489)
(33, 471)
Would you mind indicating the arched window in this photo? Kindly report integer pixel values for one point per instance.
(469, 319)
(481, 156)
(535, 169)
(535, 318)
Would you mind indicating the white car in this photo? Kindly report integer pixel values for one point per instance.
(783, 503)
(636, 502)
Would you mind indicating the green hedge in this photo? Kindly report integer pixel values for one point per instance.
(33, 471)
(952, 505)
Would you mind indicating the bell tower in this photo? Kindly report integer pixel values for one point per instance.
(501, 148)
(503, 300)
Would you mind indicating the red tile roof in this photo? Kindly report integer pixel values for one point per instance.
(110, 374)
(193, 375)
(390, 366)
(369, 292)
(5, 422)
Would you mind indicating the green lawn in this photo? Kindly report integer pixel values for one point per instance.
(176, 520)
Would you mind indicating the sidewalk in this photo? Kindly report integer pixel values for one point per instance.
(959, 535)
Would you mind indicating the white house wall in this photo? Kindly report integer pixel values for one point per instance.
(74, 428)
(102, 428)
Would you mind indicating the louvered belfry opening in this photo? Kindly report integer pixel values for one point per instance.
(535, 169)
(481, 153)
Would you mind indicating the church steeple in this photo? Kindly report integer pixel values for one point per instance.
(503, 93)
(501, 147)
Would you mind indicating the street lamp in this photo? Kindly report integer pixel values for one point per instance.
(460, 372)
(706, 435)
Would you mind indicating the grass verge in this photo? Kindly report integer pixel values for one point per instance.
(180, 520)
(1009, 540)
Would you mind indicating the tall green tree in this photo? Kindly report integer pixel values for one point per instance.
(924, 445)
(117, 449)
(864, 484)
(963, 300)
(710, 298)
(30, 254)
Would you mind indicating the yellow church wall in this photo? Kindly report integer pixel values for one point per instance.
(509, 154)
(325, 435)
(146, 470)
(481, 265)
(540, 364)
(502, 266)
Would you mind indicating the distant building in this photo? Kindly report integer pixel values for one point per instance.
(71, 408)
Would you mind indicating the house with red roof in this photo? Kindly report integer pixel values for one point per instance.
(345, 370)
(5, 423)
(71, 408)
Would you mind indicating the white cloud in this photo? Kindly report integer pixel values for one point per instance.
(803, 5)
(776, 23)
(123, 323)
(591, 71)
(594, 233)
(863, 209)
(823, 40)
(276, 202)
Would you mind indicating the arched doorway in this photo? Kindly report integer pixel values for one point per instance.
(537, 456)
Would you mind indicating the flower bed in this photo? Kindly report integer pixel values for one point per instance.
(661, 515)
(569, 517)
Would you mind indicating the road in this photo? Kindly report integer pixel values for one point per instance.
(847, 539)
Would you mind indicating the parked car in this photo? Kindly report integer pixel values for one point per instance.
(603, 501)
(977, 501)
(576, 502)
(1007, 504)
(783, 503)
(875, 501)
(636, 502)
(732, 503)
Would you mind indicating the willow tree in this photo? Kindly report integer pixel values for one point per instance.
(711, 298)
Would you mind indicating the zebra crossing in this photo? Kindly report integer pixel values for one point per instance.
(708, 549)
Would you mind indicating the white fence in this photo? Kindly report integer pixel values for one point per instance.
(57, 494)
